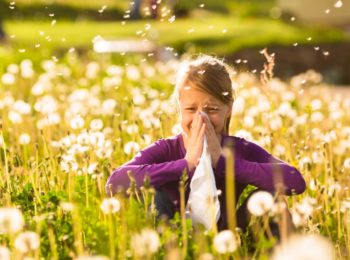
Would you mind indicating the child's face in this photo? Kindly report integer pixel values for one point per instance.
(192, 100)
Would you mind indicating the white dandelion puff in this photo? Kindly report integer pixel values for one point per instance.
(11, 220)
(27, 241)
(110, 205)
(145, 243)
(24, 139)
(260, 203)
(225, 242)
(298, 247)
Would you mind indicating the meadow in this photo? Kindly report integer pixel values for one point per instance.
(69, 116)
(66, 124)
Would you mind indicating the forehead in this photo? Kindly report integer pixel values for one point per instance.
(190, 94)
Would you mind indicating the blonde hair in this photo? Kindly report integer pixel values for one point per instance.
(210, 75)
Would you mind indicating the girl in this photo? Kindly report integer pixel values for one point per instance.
(204, 85)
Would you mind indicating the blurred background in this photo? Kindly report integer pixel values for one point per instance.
(303, 34)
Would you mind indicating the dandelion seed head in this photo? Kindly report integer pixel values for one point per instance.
(110, 205)
(11, 220)
(145, 243)
(27, 241)
(298, 247)
(260, 203)
(225, 242)
(5, 253)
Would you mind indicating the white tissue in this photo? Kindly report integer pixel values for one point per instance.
(203, 199)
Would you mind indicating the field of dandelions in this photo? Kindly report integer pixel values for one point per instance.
(66, 124)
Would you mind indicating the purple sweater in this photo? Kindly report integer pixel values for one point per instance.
(164, 162)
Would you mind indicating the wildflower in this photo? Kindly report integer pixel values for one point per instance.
(298, 247)
(8, 79)
(110, 205)
(132, 72)
(15, 117)
(24, 139)
(145, 243)
(11, 220)
(22, 107)
(225, 242)
(108, 106)
(346, 163)
(248, 121)
(4, 253)
(76, 122)
(96, 124)
(131, 147)
(67, 206)
(260, 203)
(302, 211)
(27, 241)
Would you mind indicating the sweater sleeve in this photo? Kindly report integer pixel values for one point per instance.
(257, 167)
(151, 161)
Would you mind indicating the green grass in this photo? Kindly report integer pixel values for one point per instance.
(240, 33)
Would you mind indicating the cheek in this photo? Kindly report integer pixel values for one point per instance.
(186, 120)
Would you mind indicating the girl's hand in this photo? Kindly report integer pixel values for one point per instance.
(213, 141)
(195, 141)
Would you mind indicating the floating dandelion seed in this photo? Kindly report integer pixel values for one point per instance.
(295, 44)
(327, 11)
(37, 45)
(102, 9)
(224, 31)
(325, 53)
(201, 5)
(238, 61)
(71, 50)
(190, 30)
(22, 50)
(292, 18)
(53, 22)
(147, 26)
(225, 93)
(172, 19)
(316, 48)
(201, 72)
(338, 4)
(309, 38)
(187, 87)
(123, 22)
(12, 36)
(51, 14)
(41, 33)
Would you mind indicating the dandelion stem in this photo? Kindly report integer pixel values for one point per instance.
(230, 189)
(183, 216)
(111, 236)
